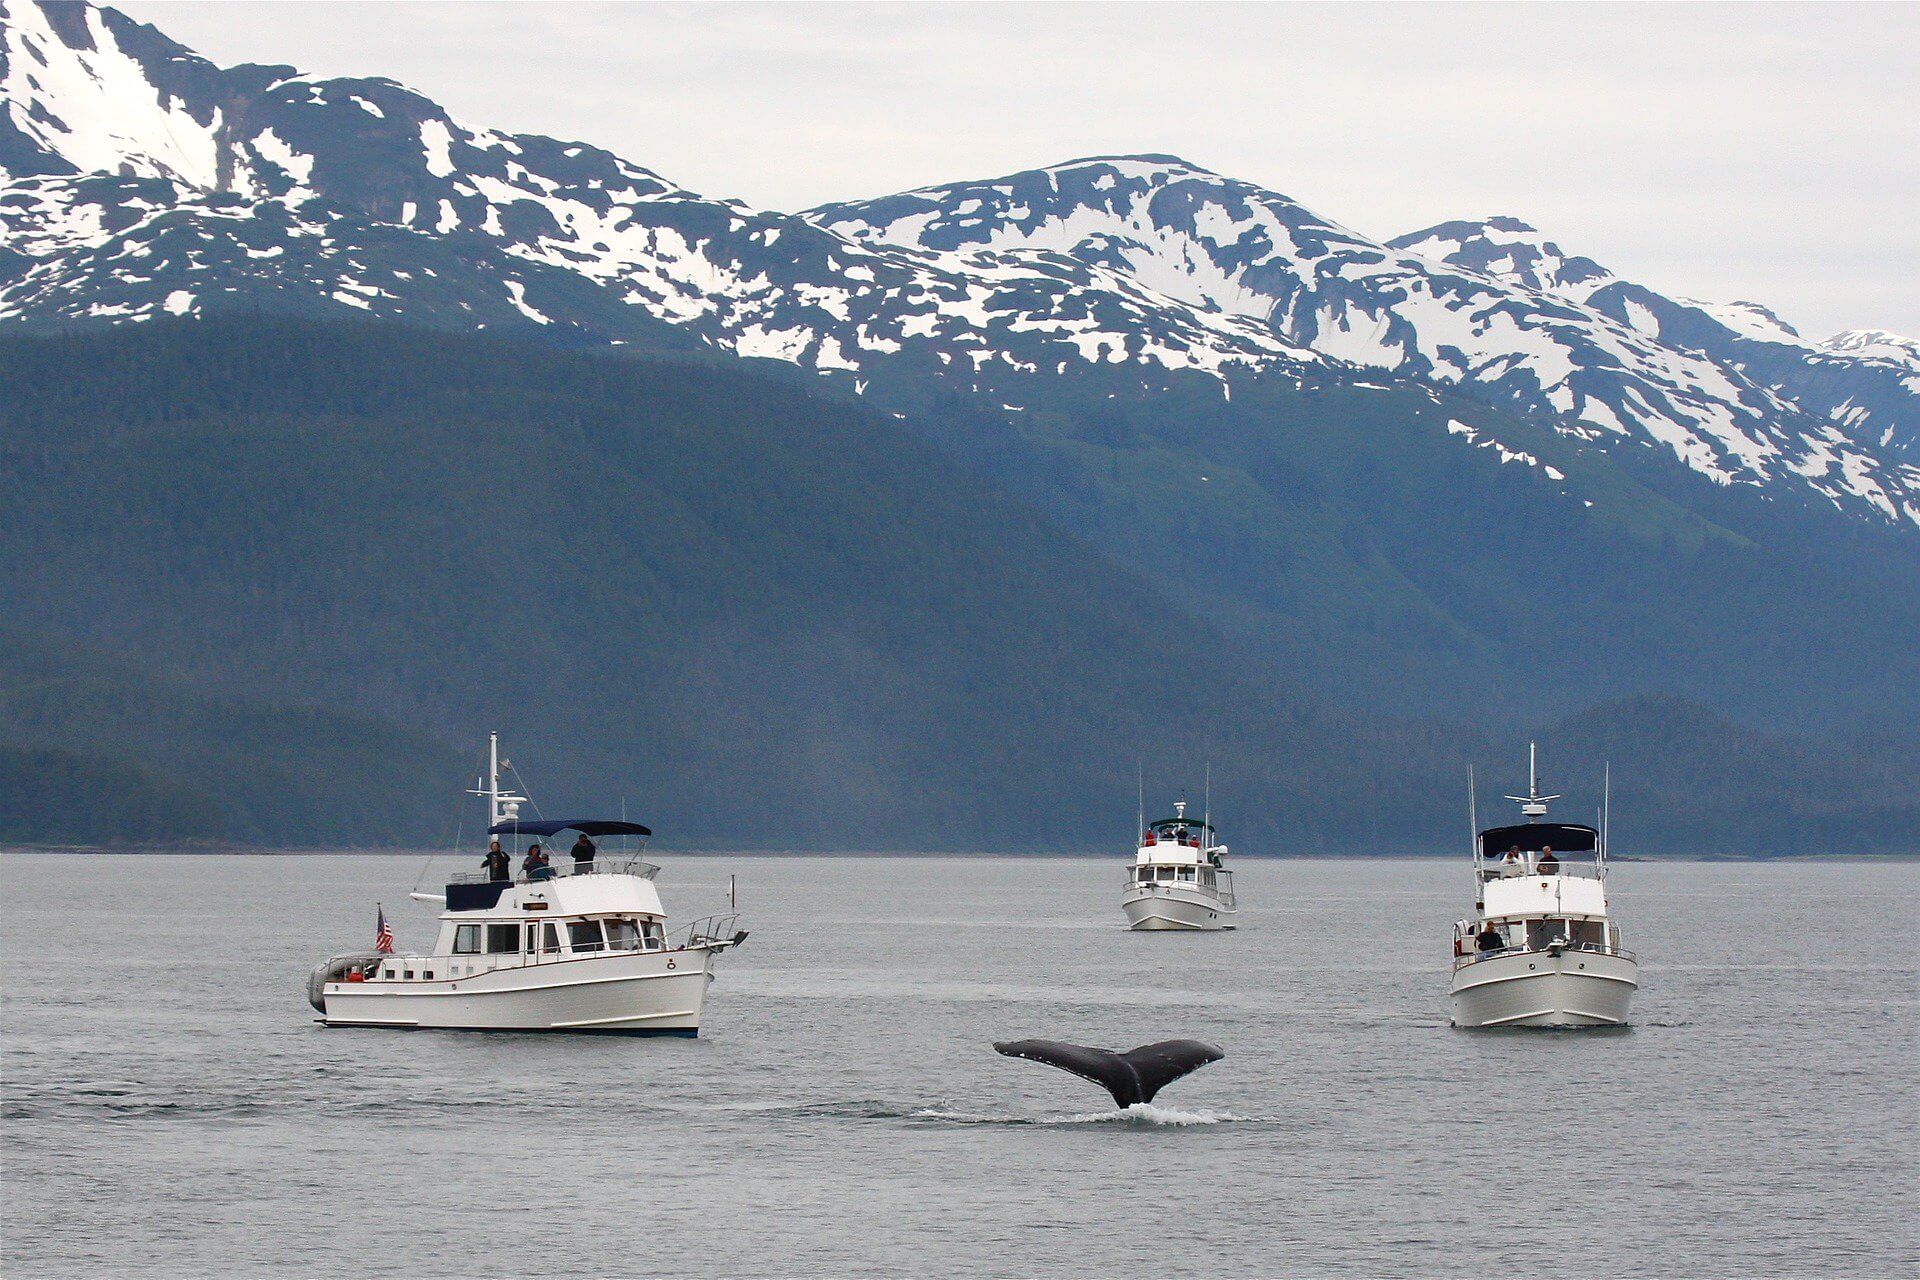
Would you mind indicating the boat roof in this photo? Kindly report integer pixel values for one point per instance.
(1531, 837)
(553, 826)
(1181, 822)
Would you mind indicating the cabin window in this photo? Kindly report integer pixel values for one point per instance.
(656, 936)
(1186, 873)
(466, 940)
(1164, 873)
(1541, 933)
(549, 936)
(503, 939)
(584, 935)
(623, 935)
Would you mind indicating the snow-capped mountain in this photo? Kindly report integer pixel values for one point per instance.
(138, 179)
(1877, 344)
(1866, 381)
(1509, 323)
(141, 179)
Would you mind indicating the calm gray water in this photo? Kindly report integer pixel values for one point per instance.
(171, 1109)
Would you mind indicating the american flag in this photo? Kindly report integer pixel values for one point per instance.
(383, 935)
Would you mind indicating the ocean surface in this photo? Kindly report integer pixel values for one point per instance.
(171, 1109)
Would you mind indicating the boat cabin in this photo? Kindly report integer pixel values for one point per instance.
(1180, 850)
(1542, 884)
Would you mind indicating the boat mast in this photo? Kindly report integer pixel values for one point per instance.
(1606, 812)
(502, 805)
(493, 779)
(1473, 821)
(1533, 805)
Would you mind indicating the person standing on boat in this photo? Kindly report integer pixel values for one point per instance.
(1548, 864)
(499, 866)
(1514, 864)
(584, 851)
(536, 864)
(1489, 939)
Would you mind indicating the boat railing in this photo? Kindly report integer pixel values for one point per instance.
(706, 931)
(1586, 948)
(1222, 885)
(564, 869)
(1582, 866)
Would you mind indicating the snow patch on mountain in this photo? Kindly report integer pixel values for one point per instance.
(72, 89)
(1876, 344)
(1492, 309)
(1860, 384)
(1474, 436)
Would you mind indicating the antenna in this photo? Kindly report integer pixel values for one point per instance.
(1140, 812)
(502, 806)
(1473, 819)
(1532, 805)
(1606, 810)
(1206, 803)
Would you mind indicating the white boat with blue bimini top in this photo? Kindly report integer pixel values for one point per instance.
(1541, 950)
(1178, 879)
(581, 946)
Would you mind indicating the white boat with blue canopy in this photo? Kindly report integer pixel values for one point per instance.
(1178, 880)
(1541, 949)
(580, 944)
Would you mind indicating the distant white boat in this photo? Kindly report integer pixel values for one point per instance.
(570, 947)
(1541, 950)
(1178, 878)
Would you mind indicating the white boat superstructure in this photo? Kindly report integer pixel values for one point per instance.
(1541, 949)
(579, 946)
(1178, 878)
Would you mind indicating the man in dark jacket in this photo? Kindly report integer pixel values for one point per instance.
(499, 866)
(1548, 864)
(583, 853)
(1489, 939)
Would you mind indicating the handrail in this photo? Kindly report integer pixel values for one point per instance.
(520, 959)
(1588, 948)
(562, 870)
(1583, 868)
(707, 931)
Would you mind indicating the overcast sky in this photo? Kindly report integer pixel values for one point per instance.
(1767, 152)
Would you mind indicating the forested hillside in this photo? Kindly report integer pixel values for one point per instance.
(273, 582)
(1341, 534)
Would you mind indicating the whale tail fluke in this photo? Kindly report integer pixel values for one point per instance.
(1133, 1076)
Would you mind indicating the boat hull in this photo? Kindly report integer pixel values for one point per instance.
(657, 993)
(1174, 908)
(1541, 989)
